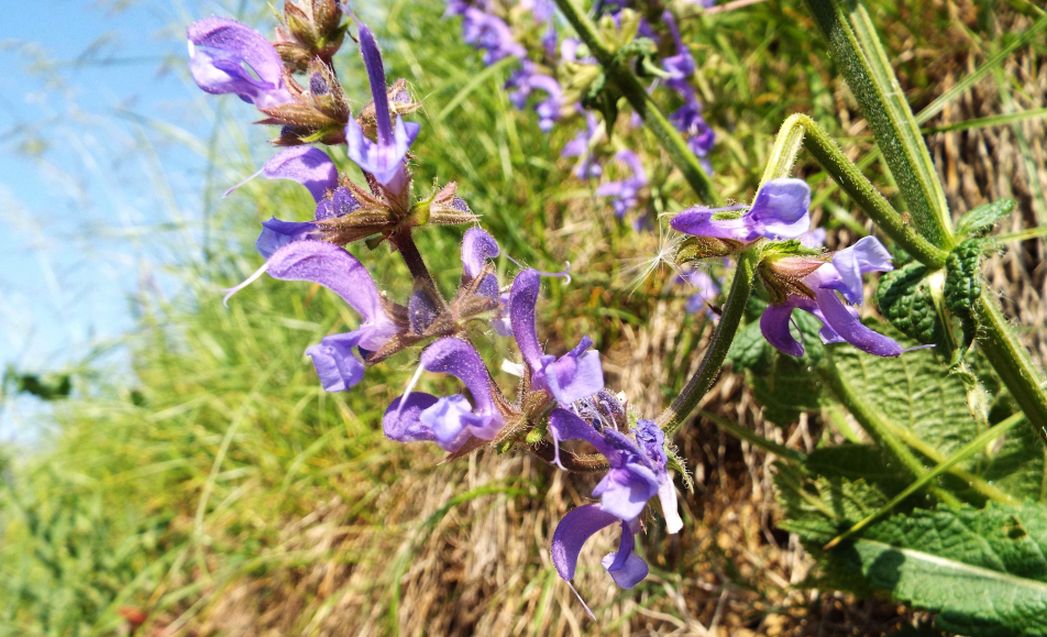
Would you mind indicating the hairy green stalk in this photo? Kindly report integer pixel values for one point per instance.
(680, 409)
(800, 129)
(863, 61)
(856, 47)
(626, 81)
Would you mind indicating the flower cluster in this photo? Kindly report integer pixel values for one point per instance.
(807, 280)
(559, 70)
(563, 395)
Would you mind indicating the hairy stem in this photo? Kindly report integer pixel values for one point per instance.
(677, 413)
(857, 50)
(1012, 362)
(800, 129)
(642, 103)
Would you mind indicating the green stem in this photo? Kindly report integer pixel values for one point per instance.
(971, 448)
(1012, 362)
(800, 129)
(875, 425)
(857, 50)
(642, 103)
(680, 409)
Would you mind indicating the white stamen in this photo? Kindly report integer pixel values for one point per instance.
(246, 282)
(513, 369)
(588, 611)
(410, 388)
(230, 190)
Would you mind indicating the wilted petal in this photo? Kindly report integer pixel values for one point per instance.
(403, 423)
(774, 323)
(226, 56)
(309, 166)
(780, 209)
(850, 327)
(477, 247)
(867, 255)
(571, 534)
(626, 567)
(336, 362)
(340, 272)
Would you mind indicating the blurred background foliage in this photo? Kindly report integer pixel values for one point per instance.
(204, 484)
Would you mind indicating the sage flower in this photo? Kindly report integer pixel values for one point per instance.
(573, 376)
(625, 193)
(450, 421)
(226, 56)
(637, 472)
(827, 282)
(780, 211)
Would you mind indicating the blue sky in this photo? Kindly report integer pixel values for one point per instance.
(100, 167)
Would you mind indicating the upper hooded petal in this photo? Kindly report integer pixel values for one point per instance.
(701, 222)
(309, 166)
(523, 296)
(571, 534)
(226, 56)
(457, 357)
(866, 255)
(780, 210)
(340, 272)
(477, 248)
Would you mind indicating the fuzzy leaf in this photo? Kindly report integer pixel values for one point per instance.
(963, 284)
(980, 220)
(904, 298)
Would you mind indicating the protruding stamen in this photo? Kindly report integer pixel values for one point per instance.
(246, 282)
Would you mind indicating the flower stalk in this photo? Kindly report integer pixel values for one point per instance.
(670, 139)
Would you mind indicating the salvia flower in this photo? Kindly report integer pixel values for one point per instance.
(450, 421)
(581, 146)
(625, 193)
(491, 34)
(573, 376)
(637, 472)
(706, 289)
(384, 157)
(780, 211)
(226, 56)
(827, 283)
(335, 357)
(524, 82)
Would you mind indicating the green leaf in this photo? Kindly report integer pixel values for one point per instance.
(789, 386)
(980, 220)
(984, 572)
(963, 284)
(904, 298)
(749, 350)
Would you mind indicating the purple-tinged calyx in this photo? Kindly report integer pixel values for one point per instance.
(384, 157)
(451, 421)
(226, 56)
(780, 211)
(573, 376)
(842, 276)
(637, 472)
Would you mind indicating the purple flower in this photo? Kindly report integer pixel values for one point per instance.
(383, 158)
(451, 421)
(706, 290)
(524, 82)
(778, 212)
(337, 270)
(478, 247)
(679, 66)
(625, 192)
(580, 146)
(226, 56)
(573, 376)
(689, 121)
(637, 472)
(841, 276)
(491, 34)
